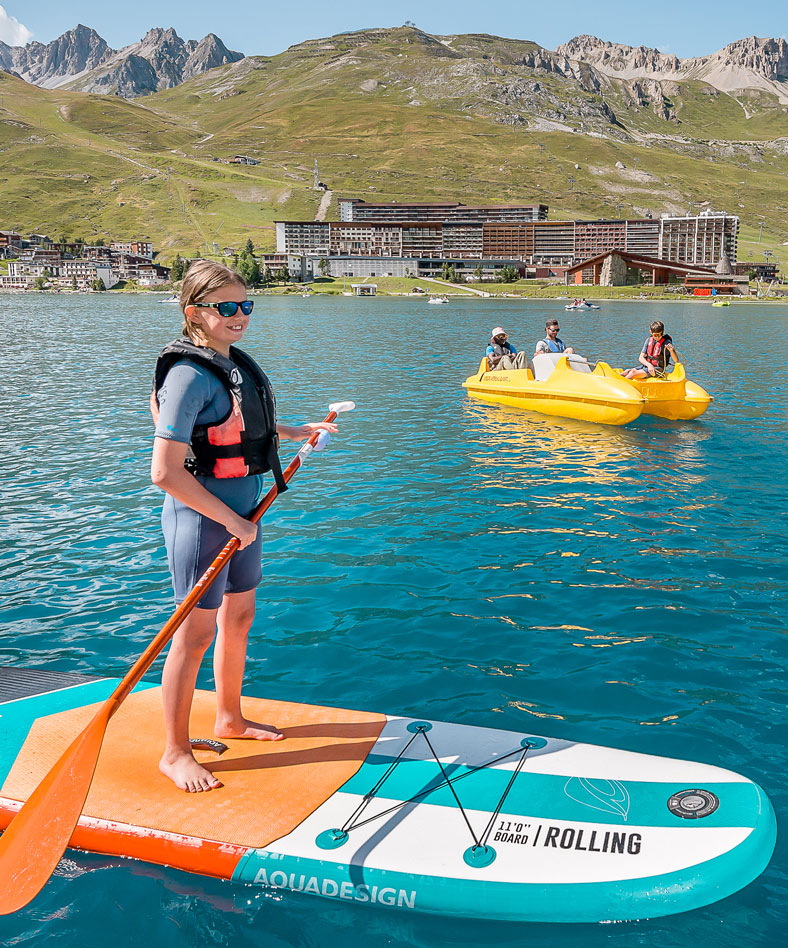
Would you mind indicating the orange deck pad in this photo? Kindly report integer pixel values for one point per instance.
(269, 786)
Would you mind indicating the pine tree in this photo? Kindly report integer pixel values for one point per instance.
(249, 246)
(248, 269)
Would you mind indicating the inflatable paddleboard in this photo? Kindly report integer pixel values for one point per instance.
(417, 815)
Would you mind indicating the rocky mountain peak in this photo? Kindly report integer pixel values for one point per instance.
(769, 57)
(81, 59)
(209, 53)
(578, 45)
(76, 51)
(620, 59)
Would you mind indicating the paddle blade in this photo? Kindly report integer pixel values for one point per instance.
(32, 845)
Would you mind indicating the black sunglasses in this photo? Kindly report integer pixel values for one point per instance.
(229, 308)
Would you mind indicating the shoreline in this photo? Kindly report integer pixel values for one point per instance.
(510, 297)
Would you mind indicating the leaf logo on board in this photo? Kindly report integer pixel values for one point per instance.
(609, 796)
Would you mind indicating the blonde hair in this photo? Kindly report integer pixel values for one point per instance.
(204, 277)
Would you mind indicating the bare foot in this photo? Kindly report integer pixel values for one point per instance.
(249, 730)
(186, 773)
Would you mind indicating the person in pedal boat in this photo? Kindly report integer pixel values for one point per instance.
(551, 342)
(655, 355)
(501, 354)
(216, 434)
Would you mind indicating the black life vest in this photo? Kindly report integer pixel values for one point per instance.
(503, 350)
(244, 441)
(657, 352)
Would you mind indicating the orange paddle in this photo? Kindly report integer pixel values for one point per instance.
(32, 845)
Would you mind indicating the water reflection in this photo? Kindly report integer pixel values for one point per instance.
(507, 442)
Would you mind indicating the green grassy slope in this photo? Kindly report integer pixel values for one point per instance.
(389, 114)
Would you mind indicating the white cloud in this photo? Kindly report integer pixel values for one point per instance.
(12, 31)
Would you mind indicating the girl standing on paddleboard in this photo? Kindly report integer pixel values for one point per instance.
(216, 434)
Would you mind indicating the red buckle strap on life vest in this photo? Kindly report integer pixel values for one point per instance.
(654, 350)
(229, 433)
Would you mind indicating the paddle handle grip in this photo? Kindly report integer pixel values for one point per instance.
(151, 653)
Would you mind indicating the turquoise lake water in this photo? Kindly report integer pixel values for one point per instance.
(444, 559)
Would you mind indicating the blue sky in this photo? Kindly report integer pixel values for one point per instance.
(684, 27)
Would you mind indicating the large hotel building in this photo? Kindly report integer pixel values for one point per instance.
(400, 239)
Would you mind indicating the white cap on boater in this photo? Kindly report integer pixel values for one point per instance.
(498, 331)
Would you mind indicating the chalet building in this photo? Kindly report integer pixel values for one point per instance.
(137, 248)
(618, 268)
(152, 274)
(99, 253)
(10, 238)
(40, 255)
(763, 271)
(131, 266)
(10, 243)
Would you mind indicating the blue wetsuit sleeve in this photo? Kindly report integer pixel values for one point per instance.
(644, 350)
(514, 351)
(186, 393)
(489, 351)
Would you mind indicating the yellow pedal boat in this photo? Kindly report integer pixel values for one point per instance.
(554, 385)
(674, 396)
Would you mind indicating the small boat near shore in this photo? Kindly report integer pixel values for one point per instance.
(171, 299)
(572, 306)
(438, 299)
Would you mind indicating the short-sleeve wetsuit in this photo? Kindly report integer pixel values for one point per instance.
(193, 395)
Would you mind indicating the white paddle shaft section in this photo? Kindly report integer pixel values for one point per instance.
(307, 448)
(324, 437)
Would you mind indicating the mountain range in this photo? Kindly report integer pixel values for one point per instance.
(593, 129)
(750, 63)
(81, 60)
